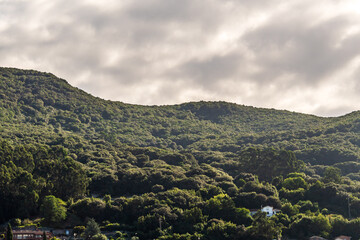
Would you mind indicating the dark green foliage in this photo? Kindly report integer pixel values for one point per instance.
(78, 230)
(50, 171)
(332, 174)
(346, 227)
(92, 229)
(308, 226)
(186, 171)
(268, 163)
(89, 208)
(219, 229)
(9, 233)
(264, 228)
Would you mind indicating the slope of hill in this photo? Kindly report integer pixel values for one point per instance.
(43, 103)
(180, 161)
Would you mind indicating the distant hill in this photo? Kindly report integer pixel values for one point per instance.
(39, 106)
(197, 167)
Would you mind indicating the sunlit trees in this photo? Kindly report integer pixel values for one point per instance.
(53, 209)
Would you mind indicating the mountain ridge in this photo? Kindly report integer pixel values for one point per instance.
(45, 101)
(51, 75)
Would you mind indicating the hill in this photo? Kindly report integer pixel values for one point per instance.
(195, 160)
(42, 103)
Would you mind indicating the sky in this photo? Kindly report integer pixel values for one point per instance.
(299, 55)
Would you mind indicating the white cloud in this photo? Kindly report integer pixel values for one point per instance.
(300, 55)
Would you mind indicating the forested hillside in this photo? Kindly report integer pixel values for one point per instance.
(199, 166)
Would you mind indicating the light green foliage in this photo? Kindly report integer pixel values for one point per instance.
(99, 236)
(16, 222)
(53, 209)
(296, 174)
(293, 183)
(177, 236)
(223, 207)
(289, 209)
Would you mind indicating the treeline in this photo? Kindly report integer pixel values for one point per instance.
(213, 213)
(176, 195)
(28, 173)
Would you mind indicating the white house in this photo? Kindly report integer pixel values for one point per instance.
(270, 211)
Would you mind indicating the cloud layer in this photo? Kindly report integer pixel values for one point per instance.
(301, 56)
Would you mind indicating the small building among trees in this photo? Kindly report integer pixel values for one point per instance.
(30, 235)
(317, 238)
(343, 238)
(270, 211)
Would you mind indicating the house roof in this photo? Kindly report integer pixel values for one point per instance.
(37, 232)
(342, 237)
(317, 238)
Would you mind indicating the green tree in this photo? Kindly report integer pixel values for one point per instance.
(293, 183)
(264, 227)
(219, 229)
(308, 226)
(92, 229)
(53, 209)
(332, 174)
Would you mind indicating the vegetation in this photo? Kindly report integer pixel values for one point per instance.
(9, 234)
(189, 171)
(53, 210)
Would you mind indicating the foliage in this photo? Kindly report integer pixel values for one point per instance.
(186, 171)
(332, 174)
(9, 233)
(264, 227)
(53, 209)
(92, 230)
(99, 236)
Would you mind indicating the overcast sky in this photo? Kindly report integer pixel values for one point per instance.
(299, 55)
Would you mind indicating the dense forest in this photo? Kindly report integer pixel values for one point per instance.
(188, 171)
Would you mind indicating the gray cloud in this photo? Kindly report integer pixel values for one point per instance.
(277, 54)
(310, 52)
(211, 70)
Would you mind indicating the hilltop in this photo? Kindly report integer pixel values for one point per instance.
(43, 104)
